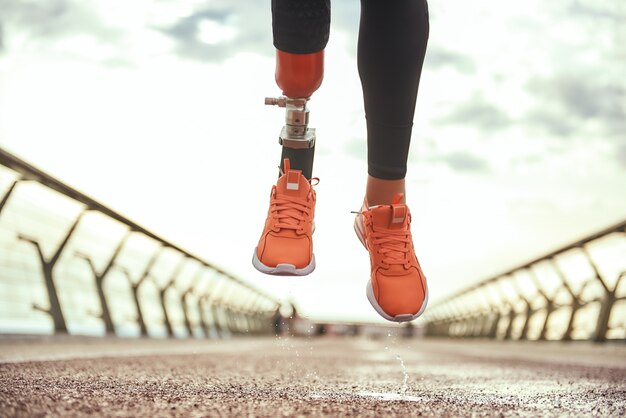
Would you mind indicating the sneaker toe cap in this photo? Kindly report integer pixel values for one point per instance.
(400, 295)
(278, 250)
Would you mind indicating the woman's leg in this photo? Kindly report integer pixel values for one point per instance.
(392, 44)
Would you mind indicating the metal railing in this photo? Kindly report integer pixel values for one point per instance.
(575, 292)
(70, 264)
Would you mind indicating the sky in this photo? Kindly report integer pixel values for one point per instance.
(155, 108)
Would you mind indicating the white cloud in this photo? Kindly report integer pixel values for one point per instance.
(213, 33)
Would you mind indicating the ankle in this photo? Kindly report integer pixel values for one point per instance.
(382, 192)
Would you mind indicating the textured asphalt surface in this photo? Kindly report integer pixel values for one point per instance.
(267, 377)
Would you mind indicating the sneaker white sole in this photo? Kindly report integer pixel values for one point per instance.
(369, 291)
(283, 269)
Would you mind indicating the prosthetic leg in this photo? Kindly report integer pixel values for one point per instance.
(300, 29)
(298, 76)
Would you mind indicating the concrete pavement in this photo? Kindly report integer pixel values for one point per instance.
(269, 377)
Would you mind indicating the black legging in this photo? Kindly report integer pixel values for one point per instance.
(393, 35)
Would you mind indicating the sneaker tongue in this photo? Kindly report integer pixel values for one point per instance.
(293, 183)
(393, 217)
(390, 216)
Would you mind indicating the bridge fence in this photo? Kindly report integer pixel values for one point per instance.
(575, 292)
(69, 264)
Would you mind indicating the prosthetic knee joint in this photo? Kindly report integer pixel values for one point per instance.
(295, 134)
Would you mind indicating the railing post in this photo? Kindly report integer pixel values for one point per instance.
(576, 302)
(163, 291)
(209, 330)
(606, 303)
(228, 315)
(232, 319)
(486, 313)
(602, 326)
(455, 320)
(135, 289)
(183, 299)
(529, 308)
(549, 302)
(209, 298)
(235, 317)
(48, 265)
(467, 319)
(550, 308)
(109, 327)
(99, 280)
(497, 314)
(216, 315)
(512, 314)
(226, 312)
(6, 196)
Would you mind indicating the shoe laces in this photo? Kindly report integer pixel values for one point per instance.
(393, 245)
(289, 212)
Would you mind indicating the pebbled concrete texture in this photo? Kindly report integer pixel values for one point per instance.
(268, 377)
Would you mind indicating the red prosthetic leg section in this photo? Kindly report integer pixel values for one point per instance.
(299, 75)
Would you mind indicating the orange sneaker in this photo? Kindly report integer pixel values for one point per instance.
(286, 245)
(397, 288)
